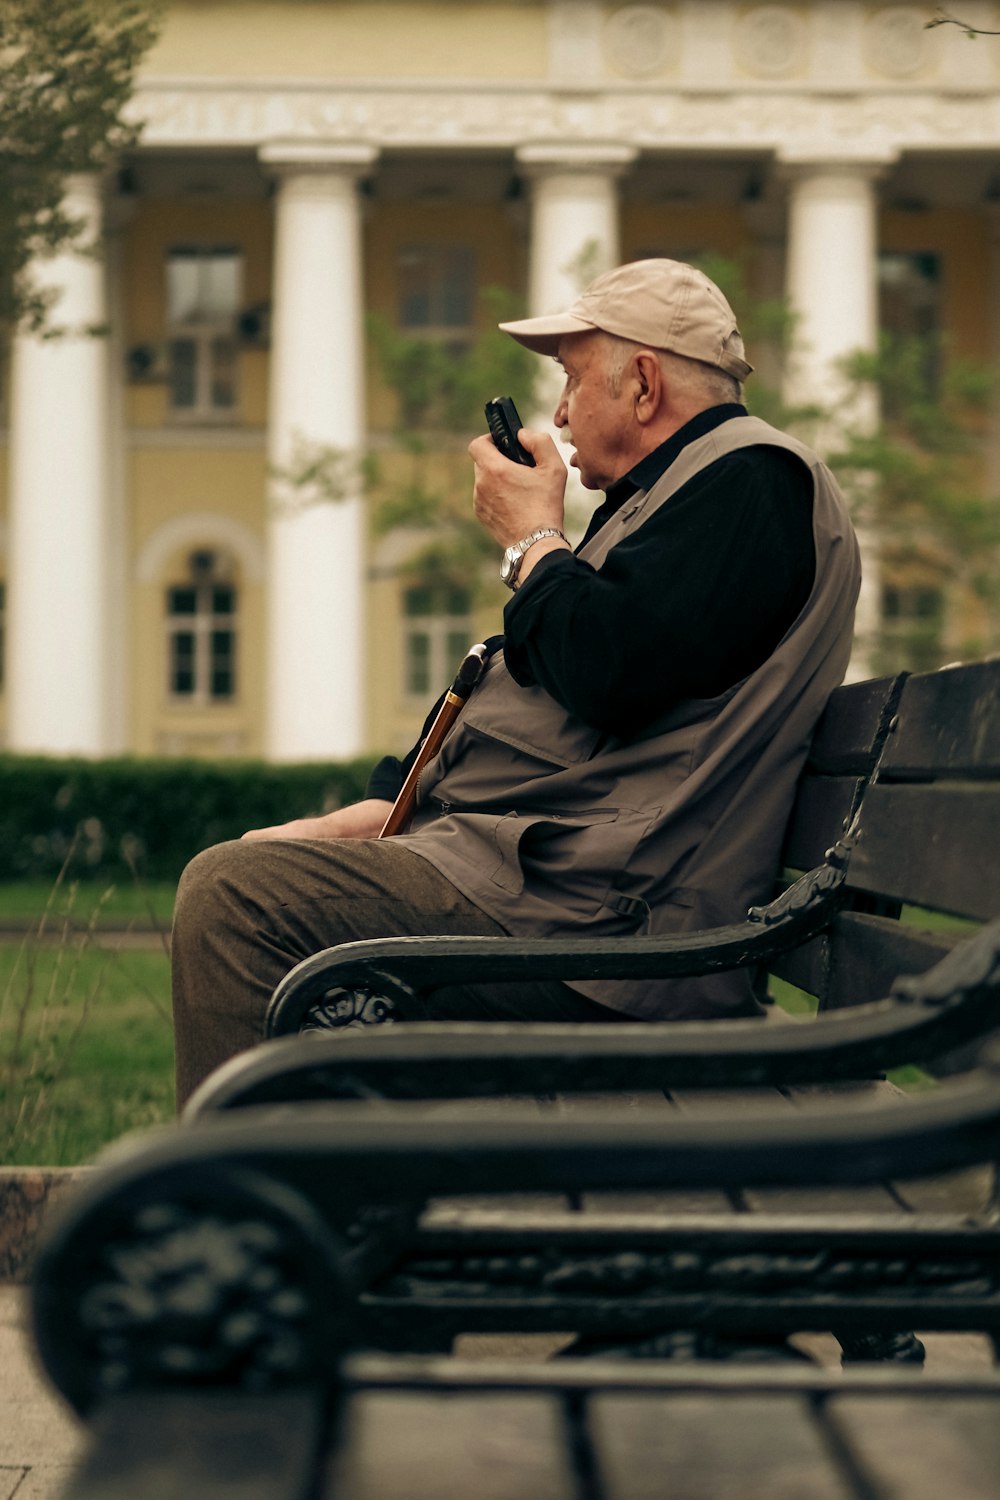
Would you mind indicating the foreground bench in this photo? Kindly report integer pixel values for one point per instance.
(225, 1275)
(416, 1430)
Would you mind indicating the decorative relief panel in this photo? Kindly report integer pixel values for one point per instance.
(771, 41)
(641, 40)
(896, 41)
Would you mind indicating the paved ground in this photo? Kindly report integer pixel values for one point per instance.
(40, 1439)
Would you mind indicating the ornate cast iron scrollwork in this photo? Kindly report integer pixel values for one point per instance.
(230, 1281)
(818, 888)
(838, 1271)
(340, 1008)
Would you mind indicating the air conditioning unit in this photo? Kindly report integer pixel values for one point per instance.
(147, 364)
(253, 326)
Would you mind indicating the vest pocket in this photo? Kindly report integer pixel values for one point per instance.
(579, 854)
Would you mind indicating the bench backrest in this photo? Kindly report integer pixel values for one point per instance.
(929, 826)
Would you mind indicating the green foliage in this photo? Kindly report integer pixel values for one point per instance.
(115, 817)
(768, 326)
(67, 73)
(86, 1050)
(423, 481)
(915, 477)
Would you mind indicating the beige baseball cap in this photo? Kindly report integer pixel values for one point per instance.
(665, 304)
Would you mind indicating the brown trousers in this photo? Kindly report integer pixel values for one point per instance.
(248, 911)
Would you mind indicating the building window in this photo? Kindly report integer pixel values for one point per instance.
(437, 634)
(203, 299)
(201, 632)
(913, 619)
(910, 293)
(437, 291)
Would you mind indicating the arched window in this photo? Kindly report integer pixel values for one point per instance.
(201, 631)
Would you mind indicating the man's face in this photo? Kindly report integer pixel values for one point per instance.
(597, 422)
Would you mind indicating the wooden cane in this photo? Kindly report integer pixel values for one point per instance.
(469, 673)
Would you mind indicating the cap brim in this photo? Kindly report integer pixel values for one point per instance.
(542, 335)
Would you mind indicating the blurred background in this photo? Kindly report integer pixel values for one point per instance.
(235, 480)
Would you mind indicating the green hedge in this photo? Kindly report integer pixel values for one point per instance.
(114, 816)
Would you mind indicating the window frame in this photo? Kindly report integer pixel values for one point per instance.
(204, 333)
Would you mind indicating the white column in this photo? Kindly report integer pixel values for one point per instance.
(993, 302)
(58, 555)
(315, 634)
(574, 218)
(832, 287)
(574, 237)
(831, 277)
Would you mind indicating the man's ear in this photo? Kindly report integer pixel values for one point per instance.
(649, 387)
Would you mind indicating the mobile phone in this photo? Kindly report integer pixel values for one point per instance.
(504, 424)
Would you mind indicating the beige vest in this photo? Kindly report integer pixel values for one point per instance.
(556, 828)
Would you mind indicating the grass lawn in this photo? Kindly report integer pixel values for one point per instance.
(86, 1045)
(121, 905)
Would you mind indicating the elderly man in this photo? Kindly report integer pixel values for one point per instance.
(629, 759)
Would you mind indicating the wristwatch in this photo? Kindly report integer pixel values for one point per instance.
(510, 563)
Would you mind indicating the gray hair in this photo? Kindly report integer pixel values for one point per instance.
(695, 377)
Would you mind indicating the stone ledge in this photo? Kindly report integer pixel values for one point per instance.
(26, 1193)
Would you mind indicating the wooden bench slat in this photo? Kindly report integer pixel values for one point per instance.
(866, 953)
(426, 1446)
(707, 1201)
(905, 1452)
(971, 1192)
(932, 846)
(705, 1447)
(201, 1444)
(858, 959)
(822, 812)
(851, 729)
(948, 725)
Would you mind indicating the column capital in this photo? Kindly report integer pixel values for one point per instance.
(349, 158)
(608, 158)
(793, 164)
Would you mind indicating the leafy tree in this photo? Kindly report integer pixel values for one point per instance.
(945, 18)
(67, 73)
(423, 480)
(916, 479)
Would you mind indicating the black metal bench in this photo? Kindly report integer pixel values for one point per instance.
(899, 808)
(202, 1300)
(932, 745)
(298, 1216)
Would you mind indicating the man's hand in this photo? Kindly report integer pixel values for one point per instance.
(362, 820)
(511, 500)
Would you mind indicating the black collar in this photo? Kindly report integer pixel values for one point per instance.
(651, 468)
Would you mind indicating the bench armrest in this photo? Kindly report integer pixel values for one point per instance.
(955, 1002)
(383, 966)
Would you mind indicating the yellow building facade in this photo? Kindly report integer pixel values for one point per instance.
(175, 581)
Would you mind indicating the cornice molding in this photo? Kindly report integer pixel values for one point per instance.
(206, 114)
